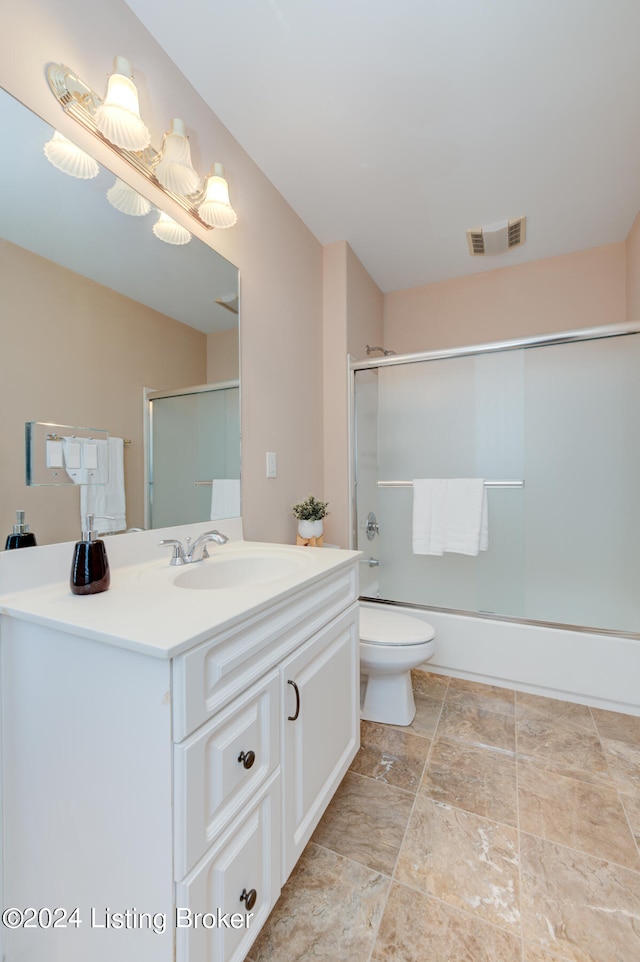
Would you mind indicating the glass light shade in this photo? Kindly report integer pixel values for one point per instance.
(70, 159)
(127, 200)
(166, 229)
(118, 118)
(174, 169)
(216, 209)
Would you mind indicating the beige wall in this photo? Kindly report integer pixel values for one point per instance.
(112, 347)
(352, 318)
(223, 356)
(555, 294)
(279, 259)
(632, 251)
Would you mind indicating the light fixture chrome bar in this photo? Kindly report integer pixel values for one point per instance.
(487, 484)
(81, 102)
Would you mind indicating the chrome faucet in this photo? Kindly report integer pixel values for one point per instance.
(201, 542)
(187, 556)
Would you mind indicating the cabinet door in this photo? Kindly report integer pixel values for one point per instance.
(320, 695)
(225, 900)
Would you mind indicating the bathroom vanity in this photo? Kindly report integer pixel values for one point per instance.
(170, 745)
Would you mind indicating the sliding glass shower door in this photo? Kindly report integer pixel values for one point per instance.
(554, 431)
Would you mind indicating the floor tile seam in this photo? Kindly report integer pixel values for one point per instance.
(374, 940)
(472, 916)
(451, 701)
(468, 811)
(415, 802)
(354, 861)
(549, 764)
(480, 746)
(633, 834)
(480, 709)
(560, 726)
(554, 722)
(372, 778)
(609, 753)
(602, 737)
(383, 875)
(570, 847)
(582, 852)
(621, 797)
(465, 811)
(408, 730)
(435, 729)
(597, 782)
(426, 763)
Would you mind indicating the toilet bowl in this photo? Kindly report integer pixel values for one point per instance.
(391, 644)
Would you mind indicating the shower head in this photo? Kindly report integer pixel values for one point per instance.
(370, 350)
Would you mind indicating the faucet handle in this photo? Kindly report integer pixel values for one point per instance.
(178, 556)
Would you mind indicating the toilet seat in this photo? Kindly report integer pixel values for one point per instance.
(389, 628)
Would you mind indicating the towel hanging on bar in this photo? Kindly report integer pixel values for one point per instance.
(449, 514)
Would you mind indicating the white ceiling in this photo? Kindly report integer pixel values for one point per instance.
(398, 126)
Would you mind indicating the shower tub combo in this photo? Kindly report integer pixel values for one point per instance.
(552, 425)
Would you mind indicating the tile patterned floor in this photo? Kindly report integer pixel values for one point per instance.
(498, 827)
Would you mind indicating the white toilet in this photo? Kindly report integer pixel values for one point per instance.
(391, 644)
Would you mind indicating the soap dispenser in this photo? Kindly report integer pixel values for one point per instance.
(90, 568)
(21, 537)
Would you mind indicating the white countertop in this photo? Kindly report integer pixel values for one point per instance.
(145, 611)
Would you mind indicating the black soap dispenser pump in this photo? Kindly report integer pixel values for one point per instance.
(21, 537)
(90, 568)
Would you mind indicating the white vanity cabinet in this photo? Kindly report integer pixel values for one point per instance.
(166, 799)
(321, 730)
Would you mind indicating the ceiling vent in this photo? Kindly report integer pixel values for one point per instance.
(497, 238)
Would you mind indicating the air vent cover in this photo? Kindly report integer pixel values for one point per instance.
(497, 238)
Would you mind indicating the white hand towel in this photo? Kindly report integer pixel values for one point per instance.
(225, 498)
(449, 515)
(466, 526)
(429, 495)
(107, 500)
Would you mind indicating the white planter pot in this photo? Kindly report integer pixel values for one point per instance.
(310, 529)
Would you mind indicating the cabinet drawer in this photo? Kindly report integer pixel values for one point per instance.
(245, 860)
(220, 766)
(209, 676)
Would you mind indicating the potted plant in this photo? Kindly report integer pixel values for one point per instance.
(310, 513)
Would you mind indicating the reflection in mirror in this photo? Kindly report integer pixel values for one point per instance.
(96, 310)
(194, 455)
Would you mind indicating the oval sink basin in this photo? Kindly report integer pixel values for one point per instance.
(238, 572)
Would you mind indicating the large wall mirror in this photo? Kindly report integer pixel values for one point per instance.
(96, 313)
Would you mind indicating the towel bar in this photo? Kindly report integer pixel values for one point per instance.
(487, 484)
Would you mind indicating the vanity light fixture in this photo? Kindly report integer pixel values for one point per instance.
(118, 117)
(127, 200)
(168, 230)
(174, 169)
(117, 123)
(215, 208)
(70, 159)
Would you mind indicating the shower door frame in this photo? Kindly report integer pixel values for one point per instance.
(543, 340)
